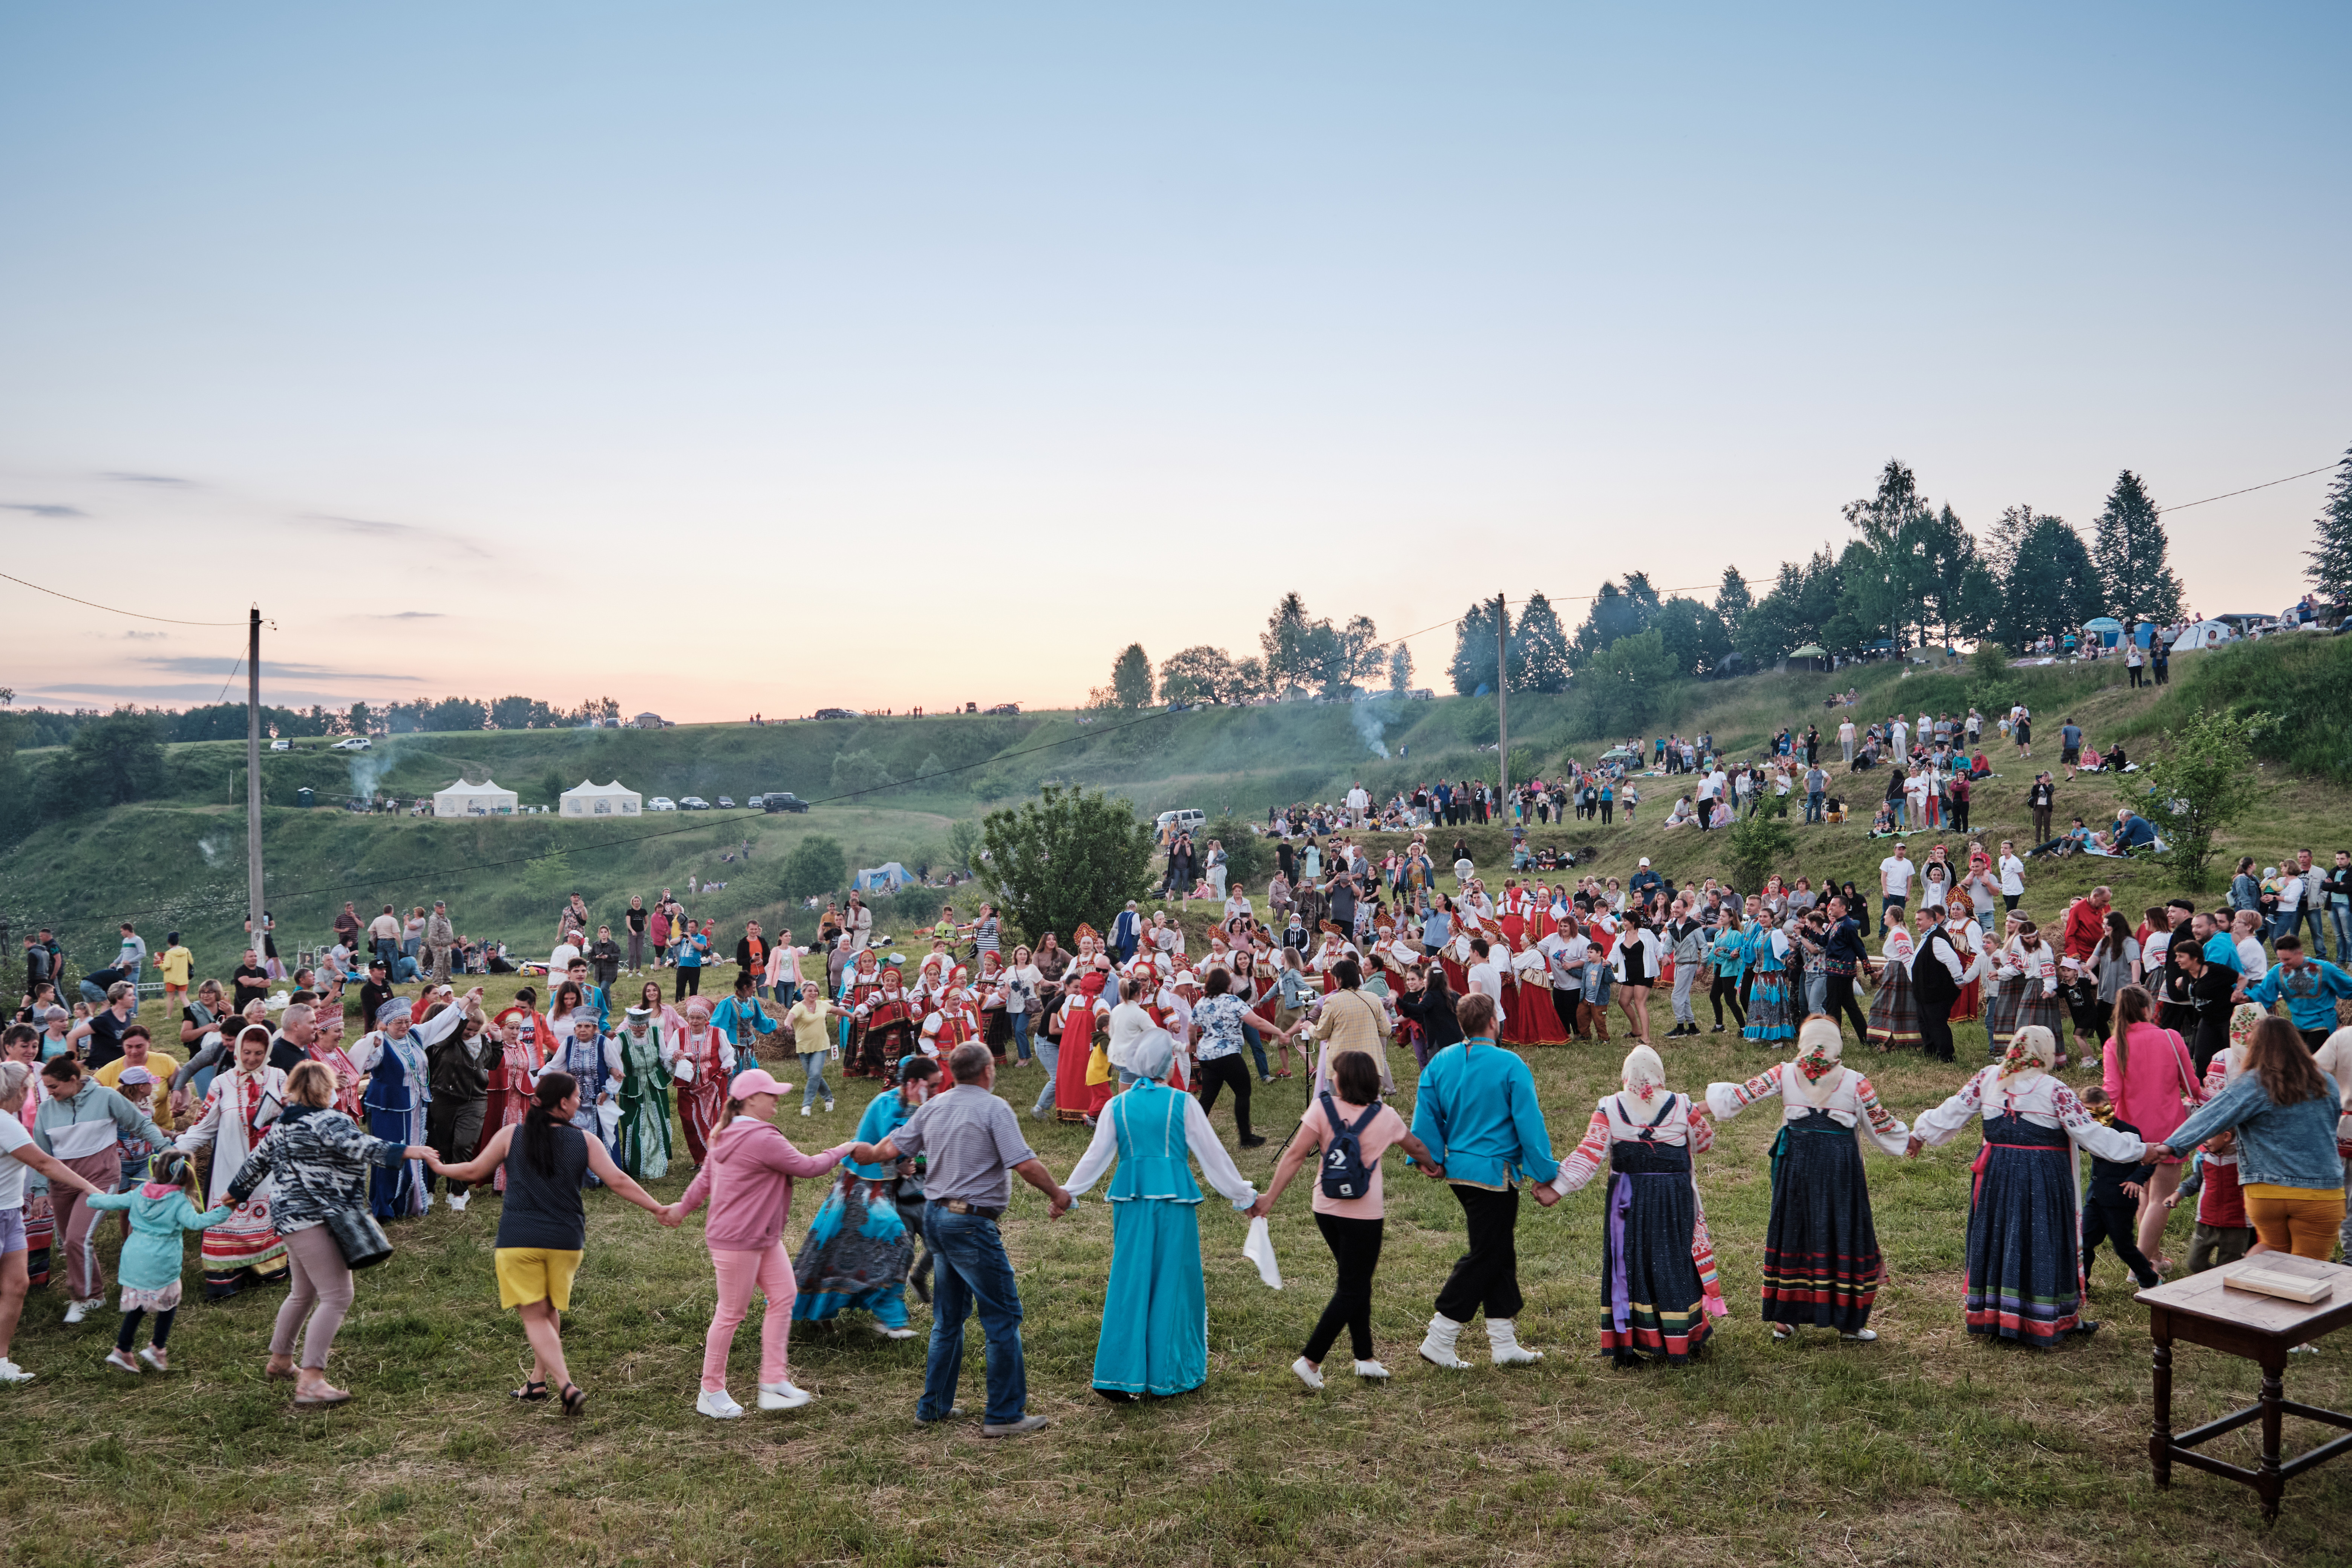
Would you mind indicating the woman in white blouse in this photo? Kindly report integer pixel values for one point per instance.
(2025, 1245)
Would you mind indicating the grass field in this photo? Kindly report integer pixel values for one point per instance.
(1925, 1446)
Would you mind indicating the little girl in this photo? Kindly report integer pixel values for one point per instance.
(159, 1211)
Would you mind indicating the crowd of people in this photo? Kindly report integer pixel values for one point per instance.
(290, 1151)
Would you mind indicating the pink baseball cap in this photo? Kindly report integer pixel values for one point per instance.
(755, 1080)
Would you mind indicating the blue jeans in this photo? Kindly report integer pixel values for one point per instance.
(403, 970)
(815, 1089)
(972, 1271)
(2309, 912)
(94, 995)
(1021, 1035)
(2340, 916)
(1814, 805)
(1049, 1052)
(1258, 1047)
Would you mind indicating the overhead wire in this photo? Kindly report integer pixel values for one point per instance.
(110, 609)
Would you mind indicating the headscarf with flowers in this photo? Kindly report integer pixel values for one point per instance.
(1644, 1074)
(1816, 1067)
(2031, 1050)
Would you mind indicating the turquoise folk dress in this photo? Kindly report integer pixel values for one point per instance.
(1155, 1327)
(857, 1250)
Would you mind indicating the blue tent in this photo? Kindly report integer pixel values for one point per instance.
(2106, 631)
(887, 878)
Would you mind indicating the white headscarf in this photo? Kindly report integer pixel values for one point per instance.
(1643, 1073)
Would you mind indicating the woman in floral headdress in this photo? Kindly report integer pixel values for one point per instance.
(1821, 1263)
(2024, 1253)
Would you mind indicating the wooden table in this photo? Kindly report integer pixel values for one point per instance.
(2202, 1311)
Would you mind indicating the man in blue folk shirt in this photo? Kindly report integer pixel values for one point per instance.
(2309, 986)
(1477, 1113)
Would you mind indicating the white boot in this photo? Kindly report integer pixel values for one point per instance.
(1437, 1348)
(784, 1395)
(1503, 1340)
(458, 1202)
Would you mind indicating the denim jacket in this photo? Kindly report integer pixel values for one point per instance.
(2284, 1146)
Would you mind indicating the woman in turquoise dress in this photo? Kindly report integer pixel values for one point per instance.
(1155, 1327)
(1772, 1011)
(645, 1148)
(858, 1250)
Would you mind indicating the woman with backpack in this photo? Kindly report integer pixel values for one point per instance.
(1155, 1327)
(1347, 1136)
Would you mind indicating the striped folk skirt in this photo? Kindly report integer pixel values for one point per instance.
(2025, 1280)
(1893, 1013)
(1821, 1262)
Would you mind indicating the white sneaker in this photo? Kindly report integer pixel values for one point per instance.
(11, 1372)
(804, 1109)
(77, 1310)
(784, 1395)
(887, 1332)
(828, 1108)
(458, 1202)
(1372, 1369)
(155, 1358)
(116, 1359)
(717, 1405)
(1437, 1346)
(1308, 1374)
(1861, 1336)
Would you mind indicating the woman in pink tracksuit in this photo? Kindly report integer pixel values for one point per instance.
(749, 1181)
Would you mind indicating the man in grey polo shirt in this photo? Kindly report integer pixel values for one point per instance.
(974, 1143)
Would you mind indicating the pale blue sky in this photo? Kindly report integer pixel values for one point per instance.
(637, 344)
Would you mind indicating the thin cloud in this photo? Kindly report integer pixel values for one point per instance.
(398, 533)
(411, 615)
(197, 664)
(144, 636)
(42, 509)
(148, 478)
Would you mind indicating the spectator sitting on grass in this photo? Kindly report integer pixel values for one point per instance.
(2133, 831)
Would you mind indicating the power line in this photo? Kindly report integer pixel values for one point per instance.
(111, 610)
(2249, 490)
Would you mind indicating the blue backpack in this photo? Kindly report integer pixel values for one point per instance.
(1345, 1175)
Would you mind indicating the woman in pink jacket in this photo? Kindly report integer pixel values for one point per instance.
(2151, 1080)
(749, 1181)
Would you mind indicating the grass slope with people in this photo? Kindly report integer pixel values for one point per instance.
(1925, 1447)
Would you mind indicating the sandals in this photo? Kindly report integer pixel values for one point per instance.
(533, 1391)
(277, 1374)
(574, 1396)
(321, 1399)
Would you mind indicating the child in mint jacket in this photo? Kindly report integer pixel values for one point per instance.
(159, 1211)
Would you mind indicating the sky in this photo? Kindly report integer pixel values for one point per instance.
(737, 358)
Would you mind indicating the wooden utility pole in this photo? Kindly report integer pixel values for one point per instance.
(1502, 703)
(253, 777)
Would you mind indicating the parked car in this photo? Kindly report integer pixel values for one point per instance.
(354, 743)
(725, 803)
(693, 803)
(281, 744)
(835, 713)
(661, 803)
(1172, 823)
(783, 800)
(1013, 708)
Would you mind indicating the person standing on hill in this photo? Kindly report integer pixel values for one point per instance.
(440, 936)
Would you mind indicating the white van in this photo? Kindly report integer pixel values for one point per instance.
(1168, 824)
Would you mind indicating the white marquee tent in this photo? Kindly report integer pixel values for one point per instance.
(2204, 634)
(588, 799)
(484, 799)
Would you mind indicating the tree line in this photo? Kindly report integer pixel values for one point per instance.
(1911, 576)
(1298, 654)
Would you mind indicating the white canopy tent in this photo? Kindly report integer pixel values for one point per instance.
(589, 799)
(2204, 634)
(484, 799)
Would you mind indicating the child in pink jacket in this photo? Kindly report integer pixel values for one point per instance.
(748, 1180)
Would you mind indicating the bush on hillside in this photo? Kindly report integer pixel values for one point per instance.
(1757, 845)
(816, 866)
(2203, 782)
(1248, 858)
(856, 771)
(1066, 858)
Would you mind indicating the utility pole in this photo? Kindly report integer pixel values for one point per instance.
(252, 776)
(1503, 704)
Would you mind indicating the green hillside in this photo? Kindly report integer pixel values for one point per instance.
(890, 788)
